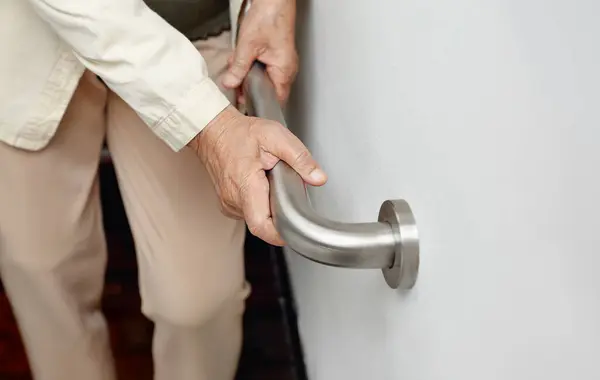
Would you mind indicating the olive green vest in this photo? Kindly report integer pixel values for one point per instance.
(196, 19)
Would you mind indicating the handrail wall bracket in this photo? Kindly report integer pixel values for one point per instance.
(403, 273)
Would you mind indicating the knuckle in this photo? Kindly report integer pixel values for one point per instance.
(228, 204)
(293, 65)
(238, 63)
(289, 67)
(225, 196)
(223, 208)
(256, 127)
(264, 136)
(301, 158)
(226, 210)
(222, 200)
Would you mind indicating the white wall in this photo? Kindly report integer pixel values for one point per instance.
(485, 116)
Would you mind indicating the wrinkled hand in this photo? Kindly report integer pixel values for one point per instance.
(237, 150)
(267, 35)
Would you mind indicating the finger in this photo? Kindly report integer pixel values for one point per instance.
(227, 207)
(282, 143)
(239, 91)
(230, 211)
(281, 83)
(244, 55)
(257, 210)
(283, 75)
(268, 160)
(283, 92)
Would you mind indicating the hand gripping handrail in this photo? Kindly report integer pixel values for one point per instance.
(391, 244)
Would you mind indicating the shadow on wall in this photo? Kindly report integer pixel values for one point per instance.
(296, 114)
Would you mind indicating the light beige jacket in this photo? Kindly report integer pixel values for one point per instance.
(45, 46)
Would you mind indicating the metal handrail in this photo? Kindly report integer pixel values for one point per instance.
(391, 244)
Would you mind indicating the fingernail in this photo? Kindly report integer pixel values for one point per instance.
(318, 175)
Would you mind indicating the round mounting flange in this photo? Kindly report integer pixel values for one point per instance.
(403, 273)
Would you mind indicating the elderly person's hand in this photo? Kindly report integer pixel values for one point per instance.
(237, 150)
(267, 35)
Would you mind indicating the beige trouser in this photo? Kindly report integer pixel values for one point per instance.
(53, 253)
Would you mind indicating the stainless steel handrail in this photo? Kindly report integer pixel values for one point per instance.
(391, 244)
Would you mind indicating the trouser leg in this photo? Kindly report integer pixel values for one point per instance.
(190, 256)
(52, 249)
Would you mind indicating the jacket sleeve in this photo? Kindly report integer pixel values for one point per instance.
(144, 60)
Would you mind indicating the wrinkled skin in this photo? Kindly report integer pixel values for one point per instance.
(237, 150)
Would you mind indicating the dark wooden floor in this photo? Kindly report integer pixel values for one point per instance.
(271, 347)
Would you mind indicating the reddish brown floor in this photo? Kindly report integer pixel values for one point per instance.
(271, 350)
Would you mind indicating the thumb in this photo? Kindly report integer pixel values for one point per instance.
(240, 64)
(281, 143)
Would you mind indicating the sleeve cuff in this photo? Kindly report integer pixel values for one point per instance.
(202, 103)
